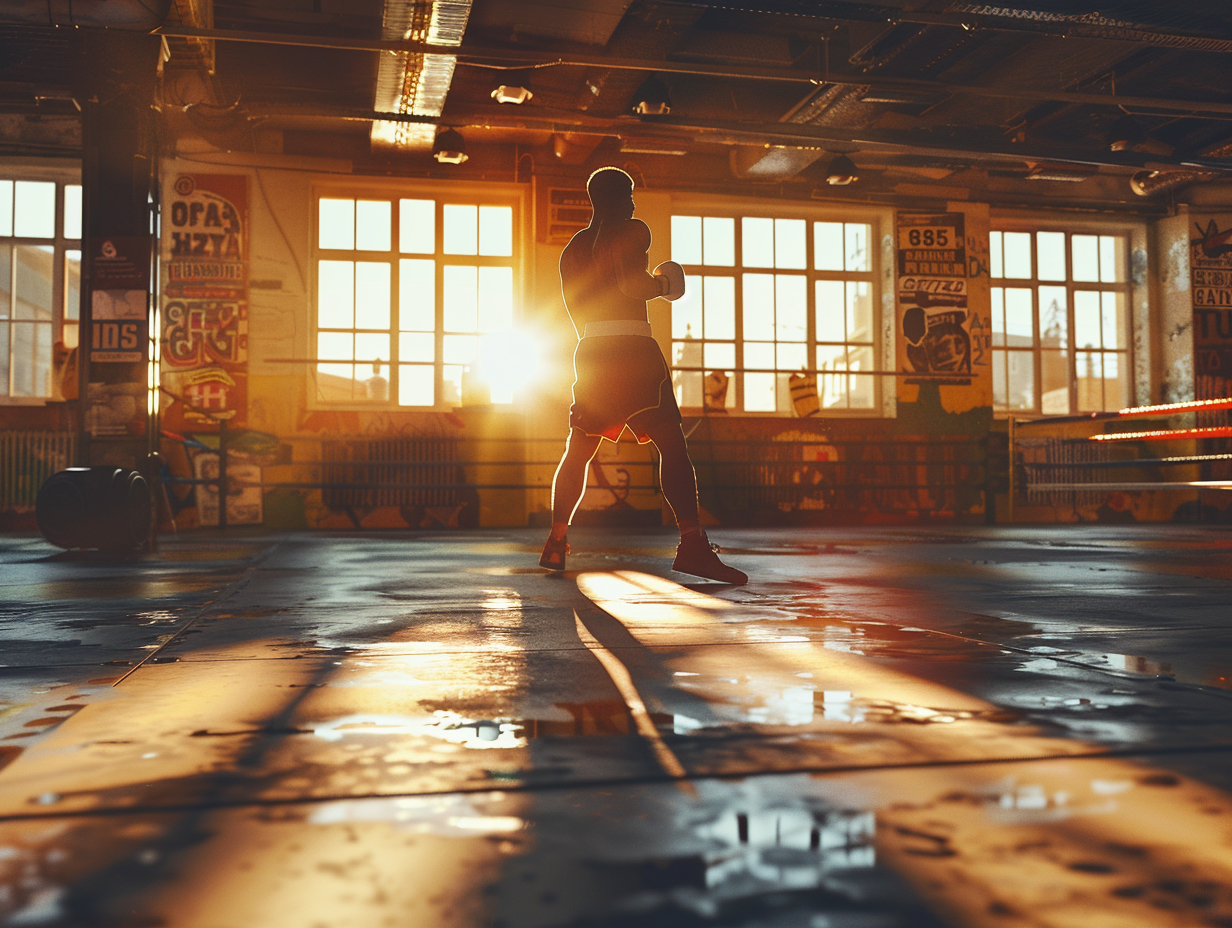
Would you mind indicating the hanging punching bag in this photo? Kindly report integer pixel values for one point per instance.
(107, 508)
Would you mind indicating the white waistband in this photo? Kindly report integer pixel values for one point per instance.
(616, 327)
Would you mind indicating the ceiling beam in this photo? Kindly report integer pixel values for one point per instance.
(530, 58)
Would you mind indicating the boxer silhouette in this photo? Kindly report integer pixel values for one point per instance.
(620, 377)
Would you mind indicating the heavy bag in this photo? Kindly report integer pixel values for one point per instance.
(108, 508)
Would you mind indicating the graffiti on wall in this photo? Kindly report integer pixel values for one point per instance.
(1211, 291)
(205, 300)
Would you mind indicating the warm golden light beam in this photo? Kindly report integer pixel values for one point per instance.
(628, 692)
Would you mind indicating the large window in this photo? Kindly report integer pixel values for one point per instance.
(415, 299)
(40, 279)
(1060, 322)
(768, 298)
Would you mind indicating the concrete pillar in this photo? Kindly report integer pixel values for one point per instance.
(1173, 329)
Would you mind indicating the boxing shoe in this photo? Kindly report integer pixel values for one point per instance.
(554, 551)
(674, 274)
(697, 556)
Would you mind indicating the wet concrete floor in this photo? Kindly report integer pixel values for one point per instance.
(887, 728)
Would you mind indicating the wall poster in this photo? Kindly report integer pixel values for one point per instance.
(1210, 265)
(205, 301)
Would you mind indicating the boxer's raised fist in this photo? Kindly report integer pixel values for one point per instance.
(673, 274)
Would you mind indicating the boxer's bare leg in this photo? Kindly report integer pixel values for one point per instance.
(570, 481)
(676, 472)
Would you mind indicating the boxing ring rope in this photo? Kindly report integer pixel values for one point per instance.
(1075, 467)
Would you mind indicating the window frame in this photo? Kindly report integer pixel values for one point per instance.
(62, 176)
(1133, 235)
(877, 219)
(442, 193)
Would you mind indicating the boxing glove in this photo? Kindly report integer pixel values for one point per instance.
(673, 273)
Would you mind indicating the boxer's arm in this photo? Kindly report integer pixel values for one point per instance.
(634, 280)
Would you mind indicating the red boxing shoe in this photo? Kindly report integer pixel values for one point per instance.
(697, 556)
(553, 557)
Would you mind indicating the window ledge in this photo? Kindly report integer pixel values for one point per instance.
(25, 400)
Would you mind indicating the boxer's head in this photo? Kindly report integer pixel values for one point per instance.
(611, 193)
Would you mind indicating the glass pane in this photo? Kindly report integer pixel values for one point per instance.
(688, 388)
(72, 210)
(1054, 383)
(998, 379)
(1050, 253)
(860, 390)
(995, 268)
(792, 356)
(496, 231)
(859, 312)
(335, 294)
(1114, 319)
(758, 306)
(759, 356)
(72, 284)
(31, 358)
(34, 281)
(687, 354)
(6, 229)
(997, 295)
(1086, 319)
(1017, 247)
(495, 299)
(1085, 251)
(1054, 320)
(459, 349)
(720, 355)
(1111, 259)
(687, 241)
(1019, 330)
(857, 235)
(417, 346)
(415, 385)
(372, 296)
(416, 295)
(1116, 381)
(719, 307)
(451, 384)
(759, 392)
(687, 311)
(417, 228)
(791, 307)
(828, 246)
(373, 221)
(831, 311)
(1021, 377)
(336, 382)
(335, 346)
(719, 241)
(34, 211)
(461, 299)
(757, 242)
(1090, 381)
(831, 388)
(790, 250)
(336, 224)
(461, 229)
(372, 347)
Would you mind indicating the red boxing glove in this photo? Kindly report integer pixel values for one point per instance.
(671, 280)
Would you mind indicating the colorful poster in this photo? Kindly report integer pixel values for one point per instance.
(932, 295)
(119, 300)
(205, 301)
(1211, 291)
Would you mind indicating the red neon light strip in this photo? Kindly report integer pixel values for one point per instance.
(1173, 408)
(1222, 431)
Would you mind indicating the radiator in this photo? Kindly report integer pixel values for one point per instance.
(29, 458)
(391, 472)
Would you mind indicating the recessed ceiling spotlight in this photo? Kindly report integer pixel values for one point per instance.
(841, 171)
(449, 147)
(652, 98)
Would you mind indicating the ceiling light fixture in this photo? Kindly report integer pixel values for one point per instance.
(1126, 134)
(841, 171)
(449, 147)
(652, 98)
(511, 93)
